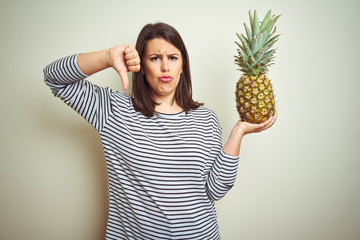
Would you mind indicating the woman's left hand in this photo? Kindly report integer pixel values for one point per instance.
(246, 128)
(242, 128)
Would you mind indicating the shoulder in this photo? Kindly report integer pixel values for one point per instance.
(205, 113)
(202, 110)
(121, 96)
(121, 100)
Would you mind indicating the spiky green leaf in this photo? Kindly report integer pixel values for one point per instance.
(245, 44)
(248, 32)
(256, 24)
(266, 20)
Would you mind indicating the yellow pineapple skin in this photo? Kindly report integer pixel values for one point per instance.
(255, 101)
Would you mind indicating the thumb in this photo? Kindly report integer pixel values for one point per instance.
(124, 79)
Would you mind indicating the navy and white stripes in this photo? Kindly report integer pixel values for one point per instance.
(164, 172)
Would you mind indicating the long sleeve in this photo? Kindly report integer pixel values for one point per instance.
(67, 81)
(223, 171)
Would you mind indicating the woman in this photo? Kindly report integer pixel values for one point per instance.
(165, 161)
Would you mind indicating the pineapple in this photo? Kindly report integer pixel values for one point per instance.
(255, 100)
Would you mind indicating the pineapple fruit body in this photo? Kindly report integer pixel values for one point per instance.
(255, 100)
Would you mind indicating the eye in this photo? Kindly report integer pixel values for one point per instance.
(173, 58)
(154, 58)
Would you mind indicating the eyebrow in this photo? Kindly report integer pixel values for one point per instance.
(159, 54)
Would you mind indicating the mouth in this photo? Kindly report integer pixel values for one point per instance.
(165, 79)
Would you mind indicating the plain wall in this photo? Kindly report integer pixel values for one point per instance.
(299, 180)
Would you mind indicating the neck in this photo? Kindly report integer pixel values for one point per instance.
(167, 105)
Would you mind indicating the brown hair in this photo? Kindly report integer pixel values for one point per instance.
(141, 95)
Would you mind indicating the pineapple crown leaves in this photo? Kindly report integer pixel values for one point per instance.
(254, 53)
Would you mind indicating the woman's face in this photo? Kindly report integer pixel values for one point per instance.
(162, 67)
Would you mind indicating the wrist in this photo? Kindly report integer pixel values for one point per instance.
(107, 59)
(238, 130)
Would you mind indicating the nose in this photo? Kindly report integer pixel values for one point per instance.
(165, 65)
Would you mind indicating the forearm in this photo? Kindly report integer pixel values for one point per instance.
(93, 62)
(232, 146)
(222, 175)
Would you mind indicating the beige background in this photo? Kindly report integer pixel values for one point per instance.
(299, 180)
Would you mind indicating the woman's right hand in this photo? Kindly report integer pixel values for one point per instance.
(124, 59)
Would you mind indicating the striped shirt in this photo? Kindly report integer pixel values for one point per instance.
(164, 172)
